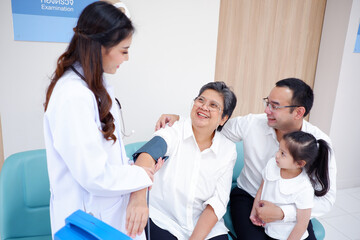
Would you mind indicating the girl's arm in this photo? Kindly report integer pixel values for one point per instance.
(206, 222)
(303, 218)
(253, 215)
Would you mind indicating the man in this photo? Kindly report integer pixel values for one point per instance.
(285, 108)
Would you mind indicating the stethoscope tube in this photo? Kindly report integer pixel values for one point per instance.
(123, 132)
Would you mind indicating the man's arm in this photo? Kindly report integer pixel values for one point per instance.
(253, 215)
(269, 212)
(164, 119)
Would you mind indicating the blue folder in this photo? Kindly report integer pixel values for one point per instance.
(83, 226)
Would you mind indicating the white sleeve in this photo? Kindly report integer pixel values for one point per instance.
(171, 135)
(82, 147)
(289, 212)
(220, 198)
(236, 128)
(305, 199)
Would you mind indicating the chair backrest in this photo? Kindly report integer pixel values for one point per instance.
(131, 148)
(24, 197)
(239, 163)
(236, 172)
(24, 193)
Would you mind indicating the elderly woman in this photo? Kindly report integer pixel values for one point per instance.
(191, 190)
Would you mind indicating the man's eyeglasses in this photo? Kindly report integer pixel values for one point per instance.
(273, 107)
(213, 106)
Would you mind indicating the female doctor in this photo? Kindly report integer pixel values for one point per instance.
(87, 165)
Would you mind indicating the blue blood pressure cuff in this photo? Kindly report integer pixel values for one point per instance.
(156, 147)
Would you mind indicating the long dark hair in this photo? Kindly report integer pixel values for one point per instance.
(304, 146)
(99, 24)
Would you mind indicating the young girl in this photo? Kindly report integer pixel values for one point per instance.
(289, 178)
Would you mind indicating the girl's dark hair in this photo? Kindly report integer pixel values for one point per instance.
(100, 25)
(228, 95)
(304, 146)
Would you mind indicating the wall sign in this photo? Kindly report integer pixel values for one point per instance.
(357, 43)
(46, 20)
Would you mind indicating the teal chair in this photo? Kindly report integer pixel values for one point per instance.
(318, 227)
(24, 197)
(131, 148)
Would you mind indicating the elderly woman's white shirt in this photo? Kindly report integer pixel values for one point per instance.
(190, 180)
(86, 171)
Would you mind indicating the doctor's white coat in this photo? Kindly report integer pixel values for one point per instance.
(86, 171)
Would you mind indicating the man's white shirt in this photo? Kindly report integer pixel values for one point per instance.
(261, 144)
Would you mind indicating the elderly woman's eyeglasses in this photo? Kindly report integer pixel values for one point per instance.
(212, 105)
(273, 107)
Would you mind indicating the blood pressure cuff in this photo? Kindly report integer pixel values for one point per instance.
(156, 147)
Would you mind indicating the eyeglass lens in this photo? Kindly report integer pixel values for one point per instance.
(211, 105)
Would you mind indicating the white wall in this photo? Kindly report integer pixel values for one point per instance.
(335, 24)
(172, 56)
(345, 127)
(337, 87)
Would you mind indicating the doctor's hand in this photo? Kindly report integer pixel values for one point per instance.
(268, 211)
(152, 170)
(159, 164)
(164, 119)
(137, 213)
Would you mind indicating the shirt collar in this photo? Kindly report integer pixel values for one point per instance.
(80, 70)
(287, 186)
(188, 133)
(269, 130)
(304, 126)
(216, 142)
